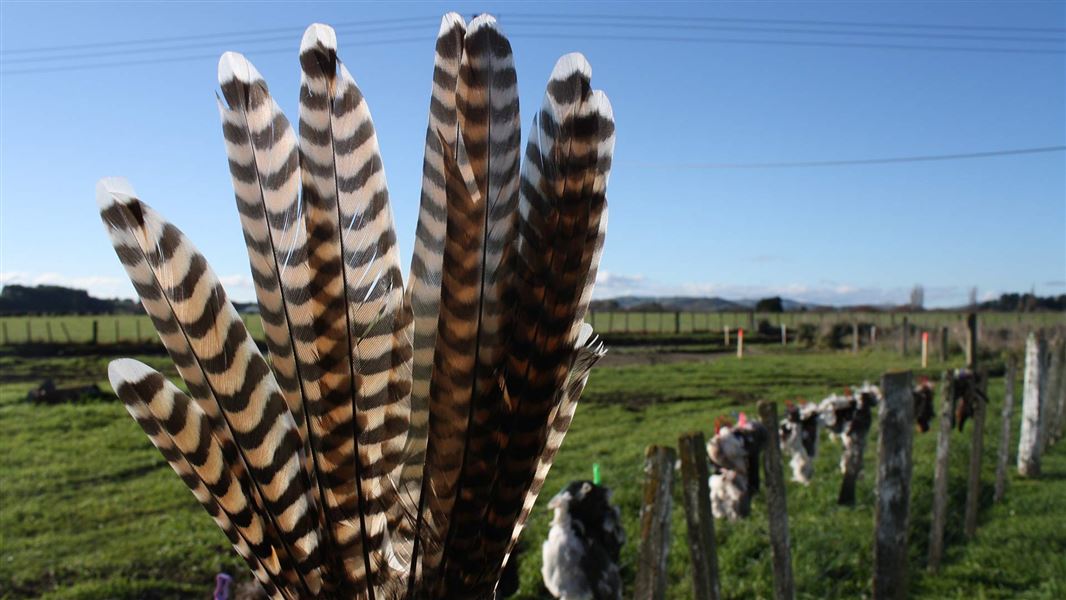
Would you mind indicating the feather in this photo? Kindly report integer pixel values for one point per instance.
(466, 402)
(185, 428)
(363, 327)
(590, 351)
(128, 378)
(560, 210)
(422, 297)
(247, 396)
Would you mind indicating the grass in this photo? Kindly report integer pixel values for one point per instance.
(88, 509)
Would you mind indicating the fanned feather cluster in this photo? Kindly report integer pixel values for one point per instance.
(395, 439)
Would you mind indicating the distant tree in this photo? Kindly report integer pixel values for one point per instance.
(16, 299)
(770, 305)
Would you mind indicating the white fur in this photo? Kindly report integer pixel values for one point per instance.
(727, 493)
(562, 553)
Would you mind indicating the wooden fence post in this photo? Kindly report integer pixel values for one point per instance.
(1058, 396)
(944, 344)
(655, 523)
(905, 333)
(740, 343)
(696, 491)
(892, 513)
(855, 337)
(776, 506)
(751, 321)
(96, 333)
(784, 334)
(725, 334)
(66, 332)
(979, 394)
(1049, 407)
(677, 322)
(940, 474)
(971, 341)
(1028, 443)
(1003, 452)
(873, 334)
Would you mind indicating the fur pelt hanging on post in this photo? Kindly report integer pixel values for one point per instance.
(734, 454)
(799, 439)
(581, 554)
(923, 404)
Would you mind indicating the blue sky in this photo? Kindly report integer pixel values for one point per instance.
(780, 82)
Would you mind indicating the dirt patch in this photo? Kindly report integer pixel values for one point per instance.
(631, 358)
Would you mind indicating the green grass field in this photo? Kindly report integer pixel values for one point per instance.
(88, 509)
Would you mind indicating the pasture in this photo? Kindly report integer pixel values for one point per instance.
(88, 509)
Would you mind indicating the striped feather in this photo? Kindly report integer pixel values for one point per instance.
(423, 293)
(352, 248)
(140, 387)
(476, 273)
(246, 393)
(560, 210)
(590, 351)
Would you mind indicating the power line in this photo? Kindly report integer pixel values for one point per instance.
(792, 31)
(152, 61)
(194, 45)
(867, 24)
(797, 43)
(227, 35)
(840, 163)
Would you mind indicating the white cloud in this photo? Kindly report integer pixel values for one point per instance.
(610, 285)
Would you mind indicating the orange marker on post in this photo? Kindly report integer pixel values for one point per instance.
(740, 342)
(925, 349)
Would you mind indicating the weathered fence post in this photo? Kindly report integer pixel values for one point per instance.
(979, 394)
(725, 333)
(971, 341)
(940, 474)
(1058, 396)
(776, 506)
(96, 333)
(677, 322)
(1003, 452)
(784, 334)
(873, 334)
(1029, 440)
(855, 337)
(740, 343)
(696, 491)
(925, 349)
(944, 344)
(1049, 406)
(905, 333)
(66, 332)
(892, 513)
(655, 523)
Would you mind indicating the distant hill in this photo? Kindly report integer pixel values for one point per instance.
(691, 304)
(55, 299)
